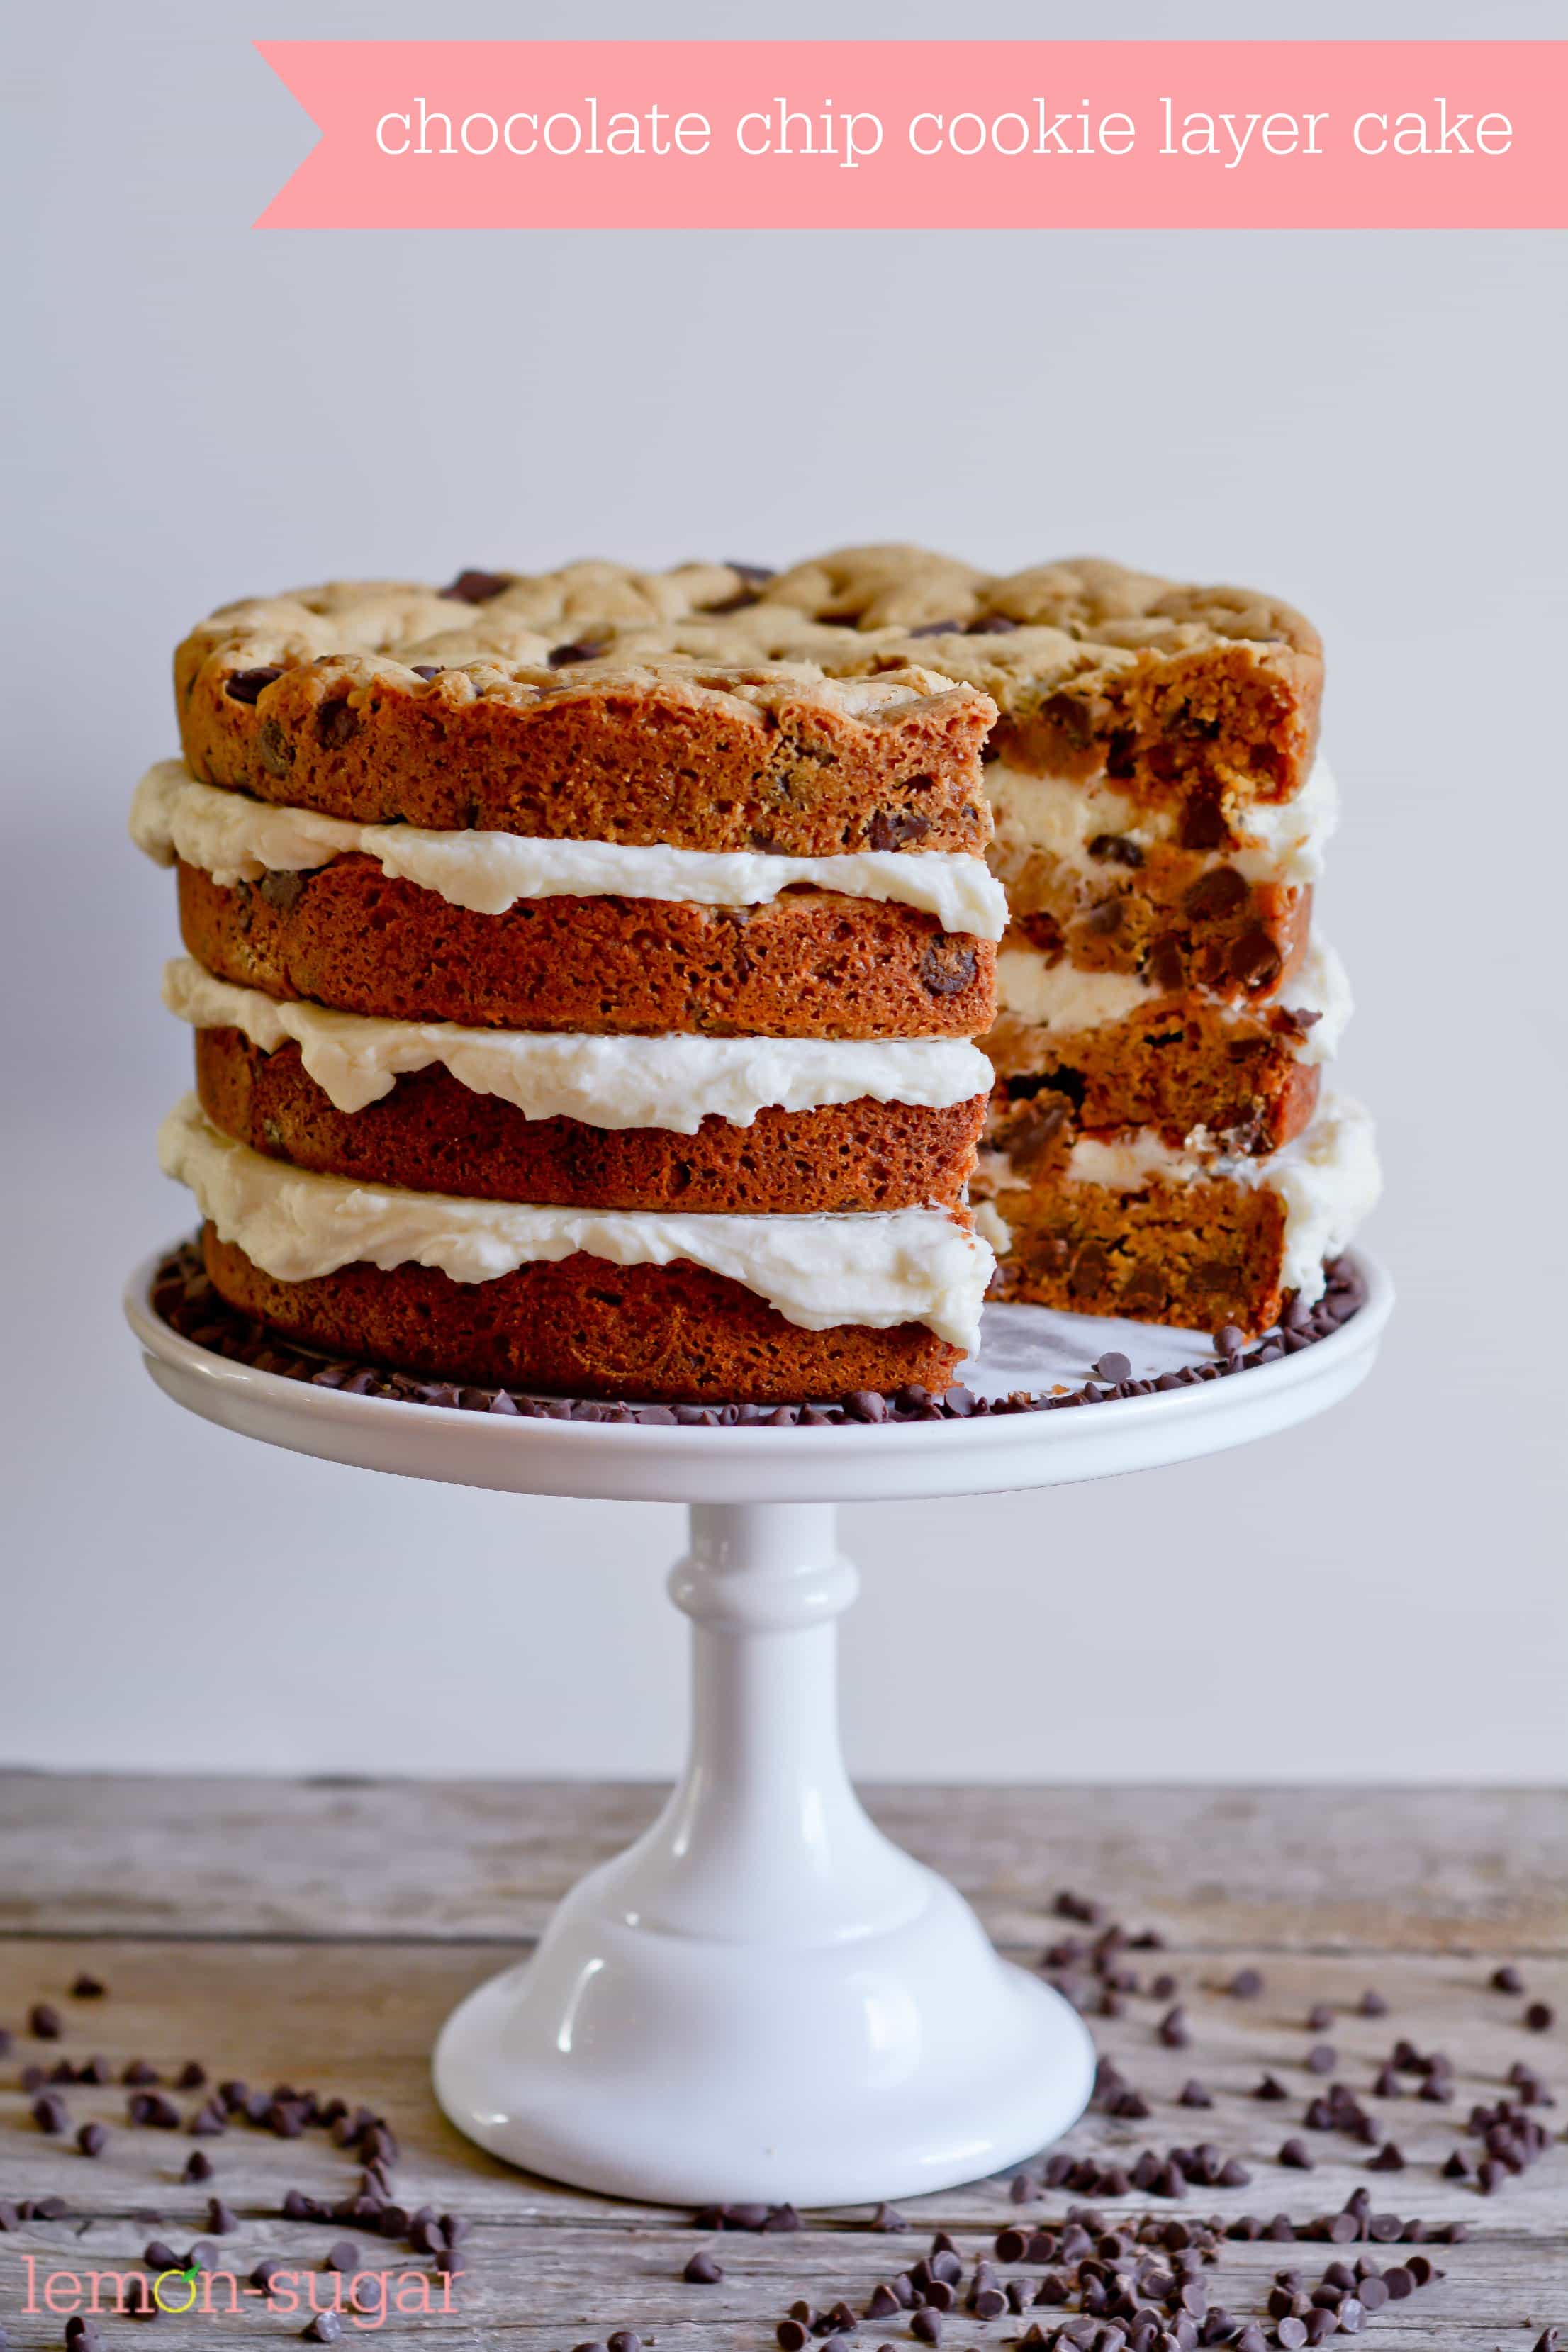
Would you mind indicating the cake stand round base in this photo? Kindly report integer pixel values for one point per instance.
(651, 2066)
(763, 2001)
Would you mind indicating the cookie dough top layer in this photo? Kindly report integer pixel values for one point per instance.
(838, 705)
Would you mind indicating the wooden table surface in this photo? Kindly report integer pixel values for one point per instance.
(319, 1932)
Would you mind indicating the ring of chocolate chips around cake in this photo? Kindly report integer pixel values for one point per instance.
(184, 1299)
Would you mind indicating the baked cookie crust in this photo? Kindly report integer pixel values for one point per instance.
(808, 964)
(431, 1134)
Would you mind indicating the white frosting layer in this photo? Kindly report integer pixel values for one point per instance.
(1284, 841)
(1329, 1179)
(912, 1265)
(237, 839)
(664, 1082)
(1058, 996)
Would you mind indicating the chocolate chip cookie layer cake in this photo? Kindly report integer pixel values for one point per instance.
(577, 1007)
(1161, 1145)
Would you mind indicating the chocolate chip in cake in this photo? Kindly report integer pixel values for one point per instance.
(1202, 824)
(948, 628)
(1167, 965)
(1116, 849)
(246, 685)
(891, 828)
(1218, 892)
(478, 587)
(336, 724)
(946, 966)
(1254, 959)
(580, 649)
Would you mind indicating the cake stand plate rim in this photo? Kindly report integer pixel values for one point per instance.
(636, 1462)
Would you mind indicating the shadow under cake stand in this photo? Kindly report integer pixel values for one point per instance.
(764, 1999)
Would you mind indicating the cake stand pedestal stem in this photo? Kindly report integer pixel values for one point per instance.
(763, 1998)
(764, 1836)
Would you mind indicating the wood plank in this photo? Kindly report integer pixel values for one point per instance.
(556, 2267)
(1419, 1869)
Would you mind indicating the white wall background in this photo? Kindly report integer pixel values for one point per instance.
(1368, 424)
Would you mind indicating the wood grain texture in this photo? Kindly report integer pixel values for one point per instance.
(1413, 1869)
(320, 1933)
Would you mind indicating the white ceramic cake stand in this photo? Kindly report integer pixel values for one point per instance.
(764, 1999)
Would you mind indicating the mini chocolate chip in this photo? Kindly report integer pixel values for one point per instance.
(93, 2140)
(1372, 2004)
(1540, 2017)
(478, 587)
(1321, 2059)
(199, 2166)
(325, 2328)
(1194, 2093)
(1246, 1983)
(1112, 1366)
(1296, 2156)
(702, 2271)
(87, 1989)
(44, 2022)
(1319, 2016)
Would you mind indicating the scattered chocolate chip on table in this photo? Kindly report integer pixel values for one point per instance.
(263, 1947)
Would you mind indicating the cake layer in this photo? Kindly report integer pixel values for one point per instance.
(235, 839)
(577, 693)
(432, 1134)
(1091, 876)
(675, 1082)
(666, 1334)
(1125, 1225)
(1098, 1050)
(716, 756)
(808, 965)
(912, 1265)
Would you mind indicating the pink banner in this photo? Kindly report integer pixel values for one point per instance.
(927, 134)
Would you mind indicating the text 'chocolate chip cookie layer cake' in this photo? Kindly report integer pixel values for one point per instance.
(587, 967)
